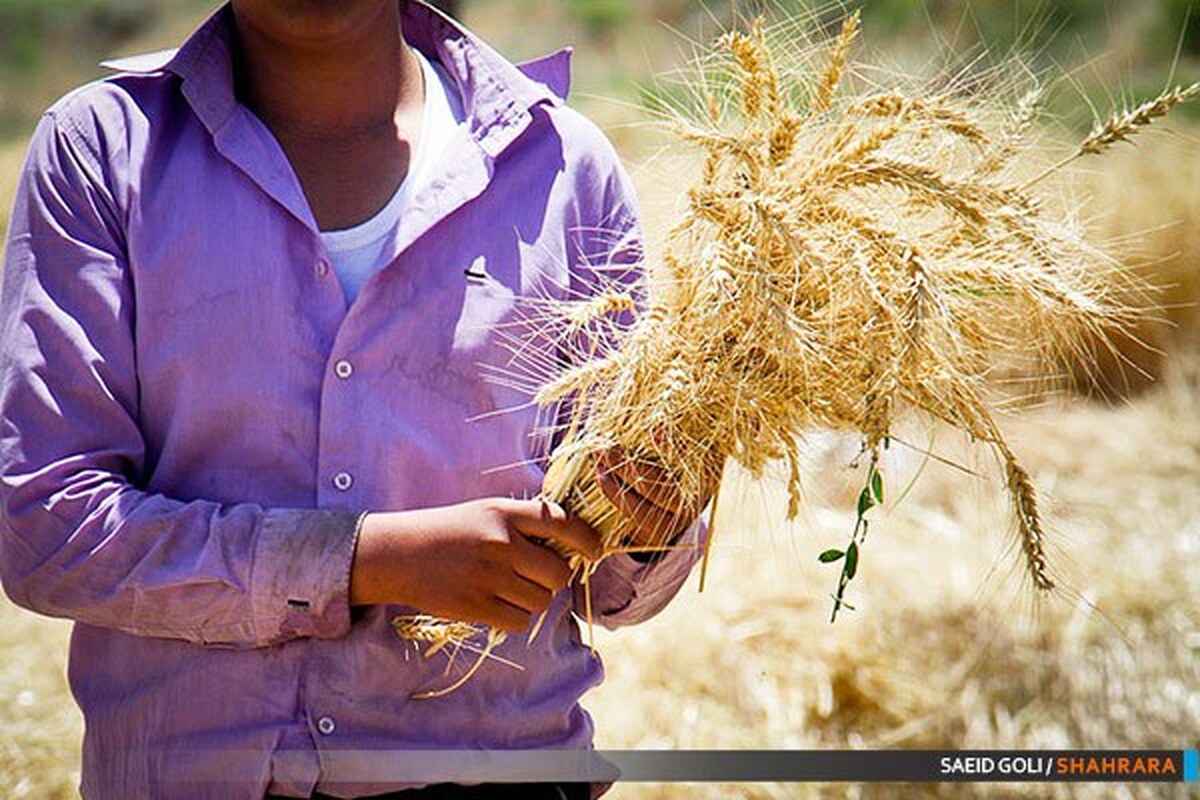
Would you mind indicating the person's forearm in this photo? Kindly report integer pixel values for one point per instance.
(233, 575)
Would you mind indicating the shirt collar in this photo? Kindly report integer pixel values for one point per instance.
(497, 95)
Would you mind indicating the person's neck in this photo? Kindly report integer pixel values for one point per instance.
(356, 85)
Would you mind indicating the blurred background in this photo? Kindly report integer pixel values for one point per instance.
(948, 647)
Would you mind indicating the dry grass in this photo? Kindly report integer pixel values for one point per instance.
(11, 158)
(40, 728)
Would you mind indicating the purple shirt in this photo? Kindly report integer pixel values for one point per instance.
(192, 421)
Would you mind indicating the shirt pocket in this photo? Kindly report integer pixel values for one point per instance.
(489, 307)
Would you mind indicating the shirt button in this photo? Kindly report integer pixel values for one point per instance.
(344, 369)
(326, 725)
(343, 480)
(322, 267)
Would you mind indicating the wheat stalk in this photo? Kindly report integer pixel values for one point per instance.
(1120, 127)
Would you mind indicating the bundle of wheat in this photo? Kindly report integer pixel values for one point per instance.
(844, 258)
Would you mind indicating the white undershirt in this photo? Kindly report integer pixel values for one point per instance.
(358, 253)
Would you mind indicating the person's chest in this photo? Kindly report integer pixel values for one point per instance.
(347, 181)
(253, 372)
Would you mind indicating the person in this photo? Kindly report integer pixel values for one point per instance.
(248, 288)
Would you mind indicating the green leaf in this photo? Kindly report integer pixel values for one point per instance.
(865, 501)
(829, 556)
(877, 486)
(851, 560)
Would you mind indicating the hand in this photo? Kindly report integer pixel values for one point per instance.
(650, 498)
(472, 562)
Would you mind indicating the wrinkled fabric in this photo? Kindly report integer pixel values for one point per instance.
(193, 420)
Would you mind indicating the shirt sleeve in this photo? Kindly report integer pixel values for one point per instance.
(623, 590)
(79, 536)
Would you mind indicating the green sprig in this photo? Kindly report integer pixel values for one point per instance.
(870, 496)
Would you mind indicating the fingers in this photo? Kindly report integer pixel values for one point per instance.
(648, 480)
(541, 565)
(530, 597)
(517, 602)
(714, 469)
(657, 525)
(658, 485)
(507, 617)
(546, 520)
